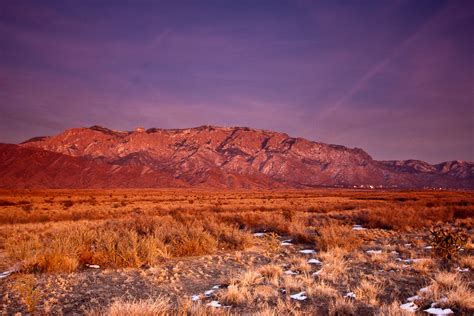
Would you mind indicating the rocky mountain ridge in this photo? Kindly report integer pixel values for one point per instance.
(232, 157)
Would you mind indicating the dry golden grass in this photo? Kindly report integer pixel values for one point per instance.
(271, 273)
(368, 292)
(62, 231)
(341, 306)
(467, 262)
(334, 265)
(425, 266)
(322, 290)
(450, 290)
(150, 307)
(26, 287)
(392, 309)
(332, 236)
(236, 294)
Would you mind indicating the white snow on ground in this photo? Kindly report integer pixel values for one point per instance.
(358, 227)
(299, 296)
(285, 243)
(289, 272)
(317, 272)
(259, 234)
(429, 247)
(410, 307)
(208, 292)
(426, 289)
(462, 270)
(350, 294)
(5, 274)
(413, 298)
(314, 261)
(195, 297)
(439, 311)
(407, 245)
(13, 269)
(408, 260)
(215, 287)
(307, 251)
(395, 252)
(214, 304)
(287, 240)
(374, 252)
(92, 266)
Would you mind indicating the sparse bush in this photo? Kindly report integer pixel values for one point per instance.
(26, 287)
(333, 236)
(151, 307)
(447, 241)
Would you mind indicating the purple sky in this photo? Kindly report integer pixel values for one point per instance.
(395, 78)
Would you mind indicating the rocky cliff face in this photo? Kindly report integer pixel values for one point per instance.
(212, 156)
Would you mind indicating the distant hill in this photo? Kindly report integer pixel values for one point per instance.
(209, 156)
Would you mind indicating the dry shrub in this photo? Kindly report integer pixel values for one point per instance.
(271, 242)
(149, 307)
(425, 266)
(271, 273)
(250, 278)
(298, 230)
(467, 261)
(457, 291)
(290, 284)
(301, 265)
(26, 287)
(392, 309)
(341, 306)
(230, 236)
(447, 241)
(333, 236)
(236, 295)
(322, 289)
(413, 216)
(368, 292)
(334, 265)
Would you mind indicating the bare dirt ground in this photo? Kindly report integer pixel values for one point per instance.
(337, 252)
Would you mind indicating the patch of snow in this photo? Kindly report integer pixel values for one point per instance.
(350, 294)
(208, 292)
(317, 272)
(413, 298)
(299, 296)
(215, 287)
(92, 266)
(426, 289)
(374, 252)
(395, 252)
(314, 261)
(214, 304)
(408, 260)
(287, 240)
(289, 272)
(462, 270)
(259, 234)
(439, 311)
(286, 243)
(5, 274)
(195, 297)
(429, 247)
(410, 307)
(358, 227)
(308, 251)
(407, 245)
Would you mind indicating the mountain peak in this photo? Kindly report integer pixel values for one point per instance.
(218, 156)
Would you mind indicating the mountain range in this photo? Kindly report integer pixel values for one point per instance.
(209, 157)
